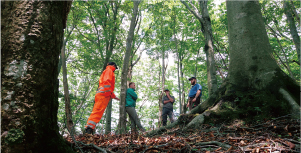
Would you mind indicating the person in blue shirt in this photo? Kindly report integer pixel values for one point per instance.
(194, 96)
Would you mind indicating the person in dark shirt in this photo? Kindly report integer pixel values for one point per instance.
(194, 96)
(168, 101)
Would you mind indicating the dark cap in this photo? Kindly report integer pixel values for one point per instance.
(113, 63)
(166, 90)
(191, 78)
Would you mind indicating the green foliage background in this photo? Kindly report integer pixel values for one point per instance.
(90, 29)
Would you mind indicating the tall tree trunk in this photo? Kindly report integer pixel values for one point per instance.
(293, 29)
(211, 71)
(64, 42)
(196, 63)
(179, 86)
(163, 74)
(122, 113)
(108, 117)
(208, 49)
(129, 74)
(257, 57)
(256, 68)
(161, 91)
(296, 15)
(68, 111)
(29, 66)
(178, 66)
(184, 98)
(108, 127)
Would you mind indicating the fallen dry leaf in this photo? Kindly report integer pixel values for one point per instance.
(291, 145)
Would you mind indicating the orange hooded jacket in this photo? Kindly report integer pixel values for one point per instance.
(107, 82)
(103, 95)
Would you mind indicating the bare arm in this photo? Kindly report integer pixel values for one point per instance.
(197, 95)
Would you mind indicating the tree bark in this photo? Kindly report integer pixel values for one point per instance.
(196, 64)
(211, 71)
(296, 15)
(163, 74)
(29, 66)
(108, 117)
(122, 113)
(63, 47)
(292, 25)
(68, 111)
(257, 51)
(184, 108)
(208, 49)
(256, 68)
(178, 64)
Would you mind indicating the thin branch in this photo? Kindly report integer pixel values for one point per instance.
(195, 12)
(80, 105)
(74, 66)
(140, 15)
(214, 143)
(85, 36)
(279, 33)
(286, 61)
(137, 59)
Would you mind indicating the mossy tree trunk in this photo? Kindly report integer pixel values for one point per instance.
(252, 65)
(31, 42)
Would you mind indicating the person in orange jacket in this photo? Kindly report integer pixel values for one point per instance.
(103, 95)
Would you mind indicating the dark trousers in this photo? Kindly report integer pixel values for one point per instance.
(134, 119)
(169, 112)
(194, 104)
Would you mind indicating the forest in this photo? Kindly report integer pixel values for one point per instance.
(244, 54)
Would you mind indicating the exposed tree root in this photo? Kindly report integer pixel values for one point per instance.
(281, 134)
(195, 123)
(210, 102)
(223, 145)
(295, 107)
(228, 104)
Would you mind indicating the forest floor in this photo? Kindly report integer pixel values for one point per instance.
(274, 136)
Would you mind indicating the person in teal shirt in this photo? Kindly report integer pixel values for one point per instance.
(130, 104)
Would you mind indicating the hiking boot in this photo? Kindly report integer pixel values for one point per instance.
(89, 130)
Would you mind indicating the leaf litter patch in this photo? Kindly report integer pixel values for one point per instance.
(274, 136)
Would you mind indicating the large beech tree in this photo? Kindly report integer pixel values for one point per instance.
(125, 68)
(31, 41)
(255, 87)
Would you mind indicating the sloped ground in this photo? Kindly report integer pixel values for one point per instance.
(275, 136)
